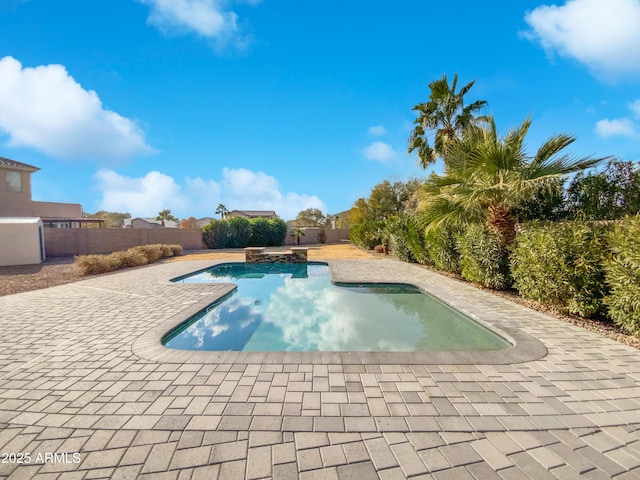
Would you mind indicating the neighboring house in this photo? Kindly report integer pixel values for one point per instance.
(252, 214)
(203, 222)
(15, 198)
(149, 222)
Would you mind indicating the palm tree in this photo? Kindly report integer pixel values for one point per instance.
(446, 114)
(222, 211)
(166, 215)
(488, 177)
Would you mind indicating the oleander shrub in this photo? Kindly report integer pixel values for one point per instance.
(442, 248)
(561, 265)
(416, 241)
(482, 258)
(623, 275)
(398, 232)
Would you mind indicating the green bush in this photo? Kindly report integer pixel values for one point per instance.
(214, 234)
(623, 275)
(482, 259)
(398, 233)
(442, 248)
(260, 232)
(416, 241)
(238, 233)
(277, 232)
(366, 234)
(561, 265)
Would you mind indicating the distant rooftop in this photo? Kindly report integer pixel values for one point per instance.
(7, 162)
(252, 213)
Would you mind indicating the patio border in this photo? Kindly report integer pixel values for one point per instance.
(525, 347)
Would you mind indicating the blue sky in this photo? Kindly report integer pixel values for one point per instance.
(142, 105)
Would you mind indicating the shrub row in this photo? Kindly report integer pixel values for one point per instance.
(134, 257)
(238, 232)
(582, 268)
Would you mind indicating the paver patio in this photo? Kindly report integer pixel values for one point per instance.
(81, 372)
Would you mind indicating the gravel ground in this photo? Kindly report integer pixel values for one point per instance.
(58, 271)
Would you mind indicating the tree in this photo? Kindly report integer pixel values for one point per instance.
(444, 114)
(297, 233)
(312, 217)
(190, 222)
(111, 219)
(489, 177)
(165, 215)
(222, 211)
(610, 194)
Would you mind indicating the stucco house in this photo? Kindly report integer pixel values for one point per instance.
(149, 222)
(15, 198)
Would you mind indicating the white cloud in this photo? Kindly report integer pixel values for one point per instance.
(620, 127)
(206, 18)
(635, 108)
(602, 34)
(376, 130)
(46, 109)
(238, 189)
(380, 152)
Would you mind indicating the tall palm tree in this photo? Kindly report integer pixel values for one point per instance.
(488, 177)
(446, 114)
(222, 211)
(165, 215)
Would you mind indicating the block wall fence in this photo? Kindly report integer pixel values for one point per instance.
(64, 242)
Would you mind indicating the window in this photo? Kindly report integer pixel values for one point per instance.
(14, 182)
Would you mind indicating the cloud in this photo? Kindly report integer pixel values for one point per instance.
(621, 127)
(380, 152)
(618, 127)
(376, 130)
(601, 34)
(238, 189)
(44, 108)
(206, 18)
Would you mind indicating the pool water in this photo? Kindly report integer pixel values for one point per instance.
(296, 307)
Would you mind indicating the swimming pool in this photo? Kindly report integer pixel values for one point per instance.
(296, 308)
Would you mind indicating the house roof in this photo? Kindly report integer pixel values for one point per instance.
(167, 223)
(254, 213)
(7, 162)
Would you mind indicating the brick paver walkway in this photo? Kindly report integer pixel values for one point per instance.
(80, 374)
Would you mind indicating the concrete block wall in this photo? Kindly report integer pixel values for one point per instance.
(63, 242)
(311, 236)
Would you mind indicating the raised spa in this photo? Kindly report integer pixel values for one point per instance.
(296, 307)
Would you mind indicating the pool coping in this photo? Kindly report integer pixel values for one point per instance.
(525, 347)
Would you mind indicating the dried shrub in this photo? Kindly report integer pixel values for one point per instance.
(378, 249)
(134, 257)
(92, 264)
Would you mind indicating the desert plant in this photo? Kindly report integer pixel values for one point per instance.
(561, 265)
(379, 249)
(482, 258)
(322, 235)
(133, 257)
(623, 275)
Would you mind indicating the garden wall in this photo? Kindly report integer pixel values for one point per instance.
(63, 242)
(336, 235)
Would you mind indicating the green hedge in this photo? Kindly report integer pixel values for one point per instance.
(366, 234)
(623, 275)
(562, 265)
(442, 248)
(398, 232)
(239, 232)
(482, 259)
